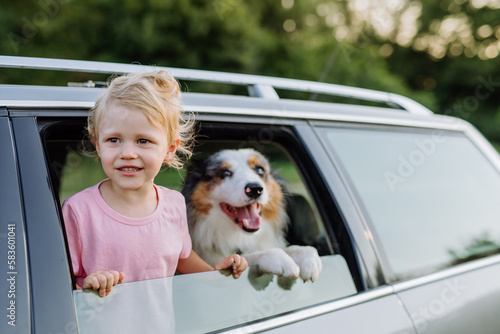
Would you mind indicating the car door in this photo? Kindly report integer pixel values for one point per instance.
(461, 300)
(465, 298)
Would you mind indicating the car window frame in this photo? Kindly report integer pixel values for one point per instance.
(15, 291)
(284, 133)
(287, 133)
(44, 237)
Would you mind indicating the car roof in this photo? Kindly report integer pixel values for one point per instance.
(263, 100)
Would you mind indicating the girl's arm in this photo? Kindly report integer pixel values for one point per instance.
(194, 264)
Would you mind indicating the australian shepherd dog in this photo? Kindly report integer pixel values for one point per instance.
(236, 205)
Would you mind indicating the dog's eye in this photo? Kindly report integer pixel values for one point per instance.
(224, 173)
(259, 170)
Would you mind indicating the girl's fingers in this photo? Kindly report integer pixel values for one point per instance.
(94, 283)
(103, 281)
(240, 264)
(121, 277)
(236, 262)
(224, 264)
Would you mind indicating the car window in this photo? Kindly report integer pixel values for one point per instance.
(203, 296)
(430, 196)
(206, 302)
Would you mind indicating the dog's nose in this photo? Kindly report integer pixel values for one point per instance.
(253, 190)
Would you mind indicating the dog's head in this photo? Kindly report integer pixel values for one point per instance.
(236, 186)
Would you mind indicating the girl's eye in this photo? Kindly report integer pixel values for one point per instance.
(114, 140)
(143, 141)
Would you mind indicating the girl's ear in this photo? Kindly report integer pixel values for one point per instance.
(171, 150)
(95, 143)
(97, 149)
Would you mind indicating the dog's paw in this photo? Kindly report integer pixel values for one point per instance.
(307, 259)
(274, 261)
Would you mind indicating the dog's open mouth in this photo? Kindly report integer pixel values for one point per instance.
(247, 217)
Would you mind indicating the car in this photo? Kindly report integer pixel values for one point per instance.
(401, 204)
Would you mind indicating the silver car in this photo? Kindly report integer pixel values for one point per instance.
(401, 204)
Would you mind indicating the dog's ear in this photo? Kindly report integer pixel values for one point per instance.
(282, 183)
(194, 166)
(198, 171)
(194, 174)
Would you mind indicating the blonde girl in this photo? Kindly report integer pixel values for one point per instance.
(126, 228)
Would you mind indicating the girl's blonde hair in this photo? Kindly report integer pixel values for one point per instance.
(157, 95)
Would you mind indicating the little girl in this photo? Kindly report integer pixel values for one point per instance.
(126, 228)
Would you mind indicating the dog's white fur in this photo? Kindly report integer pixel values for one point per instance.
(225, 178)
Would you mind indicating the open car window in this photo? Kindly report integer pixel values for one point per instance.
(215, 301)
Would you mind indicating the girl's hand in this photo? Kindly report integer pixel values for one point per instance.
(103, 281)
(237, 262)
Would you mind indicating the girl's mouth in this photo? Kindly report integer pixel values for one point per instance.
(129, 169)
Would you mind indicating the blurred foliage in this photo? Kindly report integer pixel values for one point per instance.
(443, 54)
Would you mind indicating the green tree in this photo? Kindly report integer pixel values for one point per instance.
(440, 53)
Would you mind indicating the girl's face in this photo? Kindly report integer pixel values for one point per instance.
(132, 150)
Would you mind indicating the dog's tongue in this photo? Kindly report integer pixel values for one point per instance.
(250, 216)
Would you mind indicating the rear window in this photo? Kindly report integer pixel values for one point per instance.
(431, 197)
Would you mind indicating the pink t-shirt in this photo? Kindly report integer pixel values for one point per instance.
(101, 239)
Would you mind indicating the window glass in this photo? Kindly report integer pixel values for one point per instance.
(206, 302)
(431, 196)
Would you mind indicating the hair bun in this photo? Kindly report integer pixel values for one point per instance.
(166, 83)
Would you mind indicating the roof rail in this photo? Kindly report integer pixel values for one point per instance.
(258, 86)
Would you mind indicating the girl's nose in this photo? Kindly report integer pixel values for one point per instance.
(128, 151)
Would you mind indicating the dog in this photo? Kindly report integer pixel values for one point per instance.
(236, 204)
